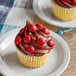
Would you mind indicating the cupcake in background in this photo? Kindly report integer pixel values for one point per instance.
(64, 10)
(33, 45)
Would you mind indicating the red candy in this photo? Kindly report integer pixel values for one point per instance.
(45, 30)
(21, 31)
(17, 40)
(51, 43)
(65, 0)
(74, 2)
(40, 41)
(30, 49)
(27, 39)
(32, 28)
(39, 25)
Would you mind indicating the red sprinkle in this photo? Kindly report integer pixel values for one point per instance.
(74, 2)
(39, 25)
(45, 30)
(40, 41)
(32, 28)
(30, 49)
(51, 43)
(21, 31)
(27, 39)
(65, 0)
(17, 40)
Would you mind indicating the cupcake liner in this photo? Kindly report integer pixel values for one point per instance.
(31, 61)
(64, 14)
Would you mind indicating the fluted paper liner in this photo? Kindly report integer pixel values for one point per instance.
(31, 61)
(64, 14)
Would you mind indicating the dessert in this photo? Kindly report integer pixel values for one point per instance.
(33, 44)
(64, 10)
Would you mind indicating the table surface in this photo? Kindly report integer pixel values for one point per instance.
(70, 38)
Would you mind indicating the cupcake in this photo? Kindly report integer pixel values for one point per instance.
(33, 45)
(64, 10)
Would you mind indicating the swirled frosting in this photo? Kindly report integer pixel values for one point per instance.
(39, 50)
(66, 4)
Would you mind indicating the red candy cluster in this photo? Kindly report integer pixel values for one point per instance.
(27, 39)
(73, 2)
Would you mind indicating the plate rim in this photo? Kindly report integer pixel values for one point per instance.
(63, 66)
(35, 9)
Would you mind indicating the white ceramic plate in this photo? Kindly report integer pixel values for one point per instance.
(56, 63)
(42, 8)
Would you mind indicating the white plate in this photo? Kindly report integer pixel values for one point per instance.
(43, 9)
(56, 63)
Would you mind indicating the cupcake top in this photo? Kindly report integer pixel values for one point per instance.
(34, 40)
(66, 3)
